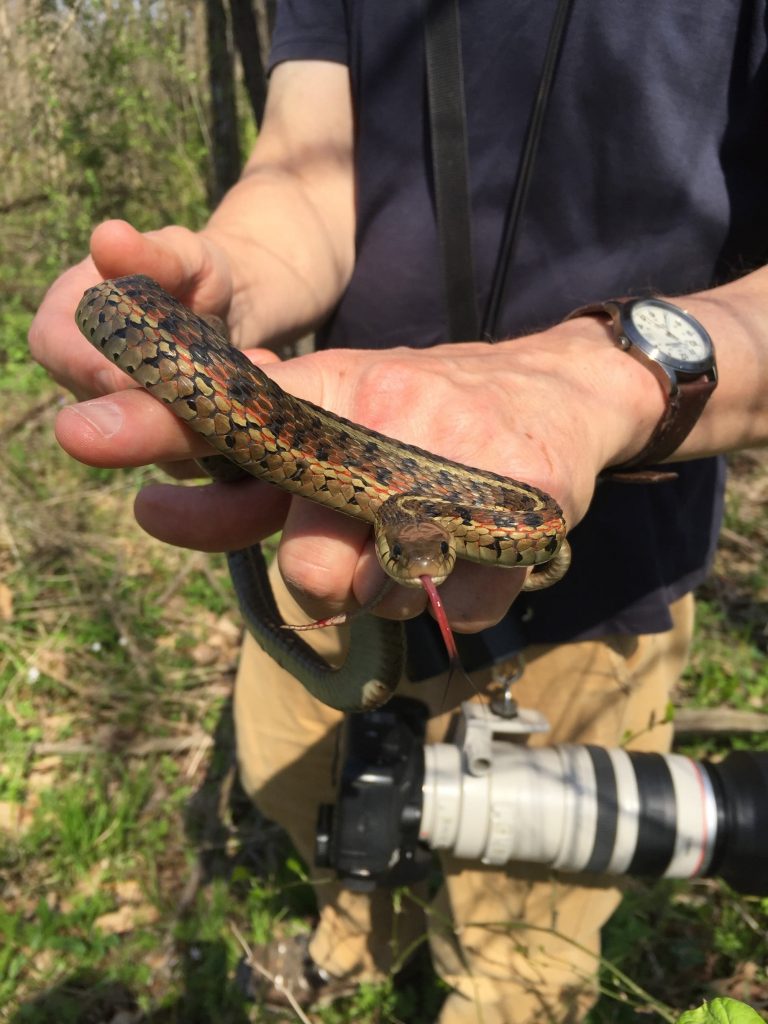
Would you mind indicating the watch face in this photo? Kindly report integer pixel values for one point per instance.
(668, 333)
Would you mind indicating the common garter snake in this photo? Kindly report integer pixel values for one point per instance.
(425, 510)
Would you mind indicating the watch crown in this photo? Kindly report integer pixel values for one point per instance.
(623, 342)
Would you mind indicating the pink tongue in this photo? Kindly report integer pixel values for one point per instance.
(441, 618)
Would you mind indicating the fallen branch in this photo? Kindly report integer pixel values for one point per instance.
(700, 721)
(718, 721)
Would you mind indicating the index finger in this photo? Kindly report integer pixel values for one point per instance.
(177, 257)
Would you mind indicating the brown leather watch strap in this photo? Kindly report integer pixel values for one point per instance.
(682, 412)
(685, 398)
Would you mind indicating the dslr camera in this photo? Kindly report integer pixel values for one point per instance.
(488, 796)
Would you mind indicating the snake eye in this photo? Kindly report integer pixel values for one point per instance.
(444, 549)
(396, 551)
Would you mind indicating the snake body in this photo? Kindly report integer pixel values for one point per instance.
(182, 360)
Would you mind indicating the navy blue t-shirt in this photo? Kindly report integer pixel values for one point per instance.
(651, 176)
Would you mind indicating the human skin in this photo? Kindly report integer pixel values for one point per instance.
(552, 409)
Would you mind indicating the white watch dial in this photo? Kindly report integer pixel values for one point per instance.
(669, 331)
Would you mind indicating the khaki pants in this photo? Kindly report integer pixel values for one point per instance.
(517, 946)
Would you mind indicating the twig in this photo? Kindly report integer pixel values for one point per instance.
(193, 564)
(32, 413)
(198, 753)
(737, 540)
(749, 920)
(278, 984)
(192, 887)
(56, 43)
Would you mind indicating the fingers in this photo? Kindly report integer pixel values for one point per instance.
(177, 258)
(476, 597)
(130, 428)
(329, 565)
(118, 248)
(327, 560)
(180, 260)
(318, 557)
(213, 517)
(56, 343)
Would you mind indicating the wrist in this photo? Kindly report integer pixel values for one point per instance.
(618, 401)
(676, 349)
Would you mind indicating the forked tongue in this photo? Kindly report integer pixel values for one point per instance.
(438, 610)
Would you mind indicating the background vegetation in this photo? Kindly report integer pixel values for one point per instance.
(134, 875)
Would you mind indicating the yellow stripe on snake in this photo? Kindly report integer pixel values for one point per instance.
(425, 510)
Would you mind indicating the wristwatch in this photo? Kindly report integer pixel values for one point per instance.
(677, 350)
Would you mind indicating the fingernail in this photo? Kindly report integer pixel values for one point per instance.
(106, 418)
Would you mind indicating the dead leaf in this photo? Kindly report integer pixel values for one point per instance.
(129, 891)
(228, 629)
(127, 918)
(204, 654)
(11, 818)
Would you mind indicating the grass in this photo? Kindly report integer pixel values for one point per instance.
(132, 866)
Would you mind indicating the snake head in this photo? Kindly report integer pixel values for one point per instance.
(409, 550)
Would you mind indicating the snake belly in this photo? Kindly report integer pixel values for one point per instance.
(182, 360)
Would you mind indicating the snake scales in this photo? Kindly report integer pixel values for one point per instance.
(425, 510)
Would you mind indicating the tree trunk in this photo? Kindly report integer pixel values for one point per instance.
(245, 31)
(225, 156)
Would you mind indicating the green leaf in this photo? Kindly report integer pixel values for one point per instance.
(722, 1011)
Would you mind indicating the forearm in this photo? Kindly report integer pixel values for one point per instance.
(287, 227)
(736, 316)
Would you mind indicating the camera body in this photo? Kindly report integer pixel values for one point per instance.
(490, 797)
(370, 836)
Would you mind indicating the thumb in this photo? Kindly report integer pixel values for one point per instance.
(182, 261)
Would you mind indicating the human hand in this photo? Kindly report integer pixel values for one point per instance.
(189, 266)
(448, 396)
(116, 424)
(186, 263)
(551, 410)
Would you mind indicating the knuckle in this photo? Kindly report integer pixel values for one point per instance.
(389, 386)
(308, 568)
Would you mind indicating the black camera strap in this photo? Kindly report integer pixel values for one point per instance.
(450, 167)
